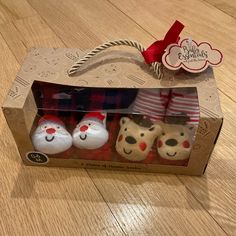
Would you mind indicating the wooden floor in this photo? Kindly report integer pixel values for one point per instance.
(51, 201)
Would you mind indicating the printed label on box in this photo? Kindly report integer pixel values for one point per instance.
(191, 56)
(37, 157)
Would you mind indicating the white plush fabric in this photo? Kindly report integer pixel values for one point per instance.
(49, 142)
(90, 134)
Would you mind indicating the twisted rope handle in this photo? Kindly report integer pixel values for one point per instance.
(155, 66)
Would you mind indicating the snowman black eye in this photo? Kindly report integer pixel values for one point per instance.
(125, 129)
(58, 127)
(45, 127)
(142, 134)
(89, 124)
(181, 134)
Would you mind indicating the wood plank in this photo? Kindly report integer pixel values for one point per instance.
(45, 201)
(153, 204)
(12, 10)
(229, 7)
(105, 18)
(94, 24)
(65, 27)
(35, 33)
(13, 40)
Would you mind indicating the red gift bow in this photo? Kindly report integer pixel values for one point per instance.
(154, 52)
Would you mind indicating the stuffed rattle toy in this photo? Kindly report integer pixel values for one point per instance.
(51, 136)
(136, 138)
(90, 132)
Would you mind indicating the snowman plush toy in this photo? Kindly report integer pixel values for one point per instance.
(90, 132)
(51, 136)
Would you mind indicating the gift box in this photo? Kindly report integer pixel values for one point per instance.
(113, 114)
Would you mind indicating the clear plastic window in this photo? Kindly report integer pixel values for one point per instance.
(148, 125)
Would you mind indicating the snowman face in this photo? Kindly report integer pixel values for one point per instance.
(51, 138)
(90, 134)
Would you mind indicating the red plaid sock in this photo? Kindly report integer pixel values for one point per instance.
(49, 105)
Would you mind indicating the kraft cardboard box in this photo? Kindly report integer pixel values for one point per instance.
(43, 92)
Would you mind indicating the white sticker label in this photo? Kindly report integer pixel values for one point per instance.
(191, 56)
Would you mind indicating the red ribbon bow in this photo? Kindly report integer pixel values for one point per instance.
(156, 50)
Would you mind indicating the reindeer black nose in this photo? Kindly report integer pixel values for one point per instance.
(130, 140)
(171, 142)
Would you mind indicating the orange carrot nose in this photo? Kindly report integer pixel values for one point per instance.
(50, 131)
(83, 128)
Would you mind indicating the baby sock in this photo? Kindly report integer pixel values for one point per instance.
(51, 136)
(184, 103)
(152, 103)
(91, 132)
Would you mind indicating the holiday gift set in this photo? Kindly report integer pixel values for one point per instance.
(154, 110)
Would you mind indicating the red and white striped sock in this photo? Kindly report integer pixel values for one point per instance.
(152, 103)
(184, 101)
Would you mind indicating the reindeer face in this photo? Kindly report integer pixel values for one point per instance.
(134, 142)
(175, 143)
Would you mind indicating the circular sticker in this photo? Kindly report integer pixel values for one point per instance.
(37, 157)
